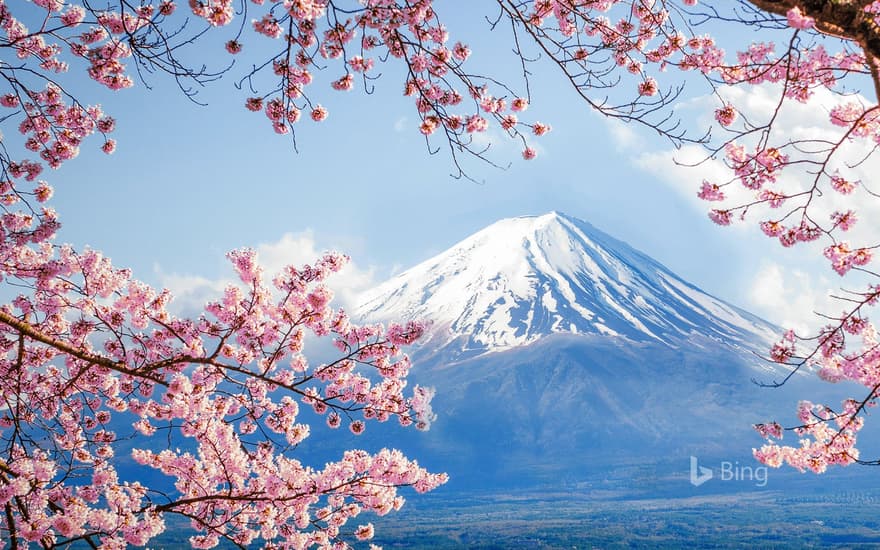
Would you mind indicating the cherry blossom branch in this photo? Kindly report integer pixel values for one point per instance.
(27, 330)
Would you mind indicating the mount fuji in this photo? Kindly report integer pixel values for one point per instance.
(523, 279)
(558, 352)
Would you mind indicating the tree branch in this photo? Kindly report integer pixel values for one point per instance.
(31, 332)
(844, 19)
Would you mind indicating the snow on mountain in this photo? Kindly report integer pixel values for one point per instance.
(521, 279)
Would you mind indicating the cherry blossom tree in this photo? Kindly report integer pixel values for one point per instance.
(95, 363)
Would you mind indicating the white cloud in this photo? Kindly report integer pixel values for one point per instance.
(791, 289)
(300, 249)
(807, 123)
(625, 137)
(683, 170)
(192, 291)
(791, 298)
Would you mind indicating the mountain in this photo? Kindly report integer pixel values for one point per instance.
(522, 279)
(561, 353)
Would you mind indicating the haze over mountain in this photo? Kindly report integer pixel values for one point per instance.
(557, 350)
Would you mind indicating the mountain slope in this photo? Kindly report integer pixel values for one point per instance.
(525, 278)
(561, 353)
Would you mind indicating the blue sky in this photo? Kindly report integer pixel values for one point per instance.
(189, 183)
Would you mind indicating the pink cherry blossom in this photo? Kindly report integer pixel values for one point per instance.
(798, 20)
(710, 192)
(726, 115)
(319, 113)
(233, 46)
(648, 87)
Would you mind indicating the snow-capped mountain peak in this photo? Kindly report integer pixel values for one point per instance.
(524, 278)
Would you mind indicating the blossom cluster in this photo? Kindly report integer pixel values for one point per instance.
(314, 33)
(54, 128)
(828, 437)
(103, 350)
(104, 45)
